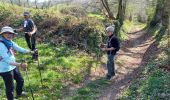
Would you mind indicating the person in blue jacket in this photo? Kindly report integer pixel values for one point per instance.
(8, 66)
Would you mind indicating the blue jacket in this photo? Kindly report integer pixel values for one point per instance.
(6, 57)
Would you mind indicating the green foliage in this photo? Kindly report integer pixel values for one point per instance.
(76, 11)
(96, 16)
(53, 23)
(129, 27)
(60, 66)
(4, 13)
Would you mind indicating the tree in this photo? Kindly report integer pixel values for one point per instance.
(118, 21)
(28, 3)
(106, 6)
(121, 11)
(161, 17)
(161, 13)
(19, 2)
(36, 6)
(11, 2)
(120, 16)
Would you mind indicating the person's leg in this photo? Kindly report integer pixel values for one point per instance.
(27, 38)
(110, 66)
(9, 85)
(19, 81)
(33, 41)
(113, 66)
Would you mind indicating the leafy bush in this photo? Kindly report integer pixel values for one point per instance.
(74, 11)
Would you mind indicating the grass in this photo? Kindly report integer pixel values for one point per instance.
(89, 91)
(60, 66)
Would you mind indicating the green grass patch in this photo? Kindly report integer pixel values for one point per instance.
(59, 66)
(90, 91)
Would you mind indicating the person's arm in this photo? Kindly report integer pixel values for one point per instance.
(19, 30)
(108, 49)
(34, 28)
(5, 57)
(20, 49)
(23, 65)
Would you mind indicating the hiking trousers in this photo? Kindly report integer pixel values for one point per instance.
(31, 41)
(9, 84)
(111, 64)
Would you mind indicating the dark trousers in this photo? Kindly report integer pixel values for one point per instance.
(31, 41)
(9, 84)
(111, 65)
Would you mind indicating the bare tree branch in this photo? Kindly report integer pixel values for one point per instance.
(106, 6)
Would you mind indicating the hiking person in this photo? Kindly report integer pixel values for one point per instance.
(111, 48)
(29, 28)
(8, 66)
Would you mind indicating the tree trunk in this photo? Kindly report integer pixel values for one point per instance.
(120, 16)
(121, 11)
(11, 2)
(49, 3)
(36, 6)
(161, 17)
(19, 2)
(106, 6)
(158, 13)
(166, 13)
(28, 3)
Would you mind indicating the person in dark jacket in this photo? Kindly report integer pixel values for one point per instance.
(111, 48)
(29, 28)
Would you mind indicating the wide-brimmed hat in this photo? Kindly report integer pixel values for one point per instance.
(8, 29)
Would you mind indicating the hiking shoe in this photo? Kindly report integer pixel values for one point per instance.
(108, 77)
(34, 58)
(113, 74)
(24, 94)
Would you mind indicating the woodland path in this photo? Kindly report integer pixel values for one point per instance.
(132, 56)
(130, 59)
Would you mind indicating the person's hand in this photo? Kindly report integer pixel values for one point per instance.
(103, 49)
(24, 65)
(32, 52)
(29, 33)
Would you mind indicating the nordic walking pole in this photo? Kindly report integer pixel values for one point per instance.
(37, 55)
(26, 71)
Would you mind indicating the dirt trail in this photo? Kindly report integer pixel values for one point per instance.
(129, 61)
